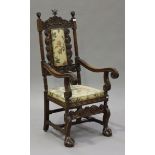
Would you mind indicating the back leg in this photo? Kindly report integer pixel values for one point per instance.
(46, 112)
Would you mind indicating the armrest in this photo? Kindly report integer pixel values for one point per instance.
(68, 77)
(114, 72)
(57, 74)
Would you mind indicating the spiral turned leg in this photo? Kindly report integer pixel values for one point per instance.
(106, 130)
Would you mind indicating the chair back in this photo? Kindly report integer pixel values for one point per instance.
(57, 42)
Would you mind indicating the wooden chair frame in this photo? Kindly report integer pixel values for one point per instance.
(80, 114)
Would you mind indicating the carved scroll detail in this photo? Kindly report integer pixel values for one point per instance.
(68, 46)
(107, 84)
(57, 22)
(49, 47)
(87, 111)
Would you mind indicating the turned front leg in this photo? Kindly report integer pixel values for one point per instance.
(106, 130)
(68, 142)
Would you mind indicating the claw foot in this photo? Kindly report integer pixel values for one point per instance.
(107, 132)
(69, 142)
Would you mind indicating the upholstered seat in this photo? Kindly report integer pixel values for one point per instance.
(79, 93)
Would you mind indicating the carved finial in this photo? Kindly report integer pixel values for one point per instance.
(38, 14)
(54, 12)
(73, 14)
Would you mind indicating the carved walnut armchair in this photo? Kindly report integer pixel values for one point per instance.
(73, 95)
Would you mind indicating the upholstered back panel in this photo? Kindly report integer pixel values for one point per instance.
(58, 44)
(59, 47)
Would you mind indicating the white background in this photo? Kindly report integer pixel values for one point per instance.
(15, 77)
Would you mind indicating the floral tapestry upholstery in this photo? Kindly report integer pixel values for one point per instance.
(79, 93)
(59, 47)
